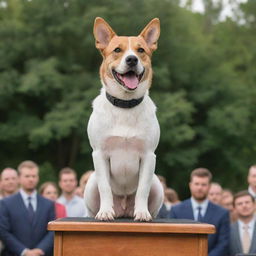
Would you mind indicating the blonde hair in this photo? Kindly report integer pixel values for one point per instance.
(45, 185)
(27, 164)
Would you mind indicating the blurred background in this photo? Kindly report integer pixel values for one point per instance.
(204, 83)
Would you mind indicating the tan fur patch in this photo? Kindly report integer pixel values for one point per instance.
(117, 143)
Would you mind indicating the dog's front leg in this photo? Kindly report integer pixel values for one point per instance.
(147, 169)
(102, 172)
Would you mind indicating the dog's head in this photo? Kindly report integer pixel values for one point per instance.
(126, 68)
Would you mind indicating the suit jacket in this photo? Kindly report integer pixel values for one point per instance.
(16, 230)
(163, 212)
(216, 215)
(235, 245)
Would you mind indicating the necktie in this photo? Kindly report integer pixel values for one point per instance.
(31, 212)
(199, 216)
(246, 240)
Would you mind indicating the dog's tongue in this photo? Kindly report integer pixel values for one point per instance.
(130, 80)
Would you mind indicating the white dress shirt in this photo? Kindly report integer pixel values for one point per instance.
(25, 197)
(75, 207)
(195, 206)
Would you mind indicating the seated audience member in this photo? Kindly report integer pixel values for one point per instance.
(227, 203)
(215, 193)
(170, 198)
(163, 181)
(75, 205)
(82, 182)
(24, 217)
(252, 180)
(9, 182)
(243, 231)
(49, 190)
(199, 208)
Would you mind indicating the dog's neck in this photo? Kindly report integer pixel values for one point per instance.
(124, 103)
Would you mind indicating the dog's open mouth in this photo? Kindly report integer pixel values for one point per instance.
(129, 80)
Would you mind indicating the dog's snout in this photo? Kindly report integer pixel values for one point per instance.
(131, 60)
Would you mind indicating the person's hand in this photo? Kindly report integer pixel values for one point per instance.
(34, 252)
(38, 251)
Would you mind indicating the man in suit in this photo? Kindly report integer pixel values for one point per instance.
(24, 217)
(199, 208)
(243, 231)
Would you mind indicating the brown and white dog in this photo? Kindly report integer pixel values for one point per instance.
(123, 129)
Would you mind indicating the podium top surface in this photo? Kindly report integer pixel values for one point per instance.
(129, 225)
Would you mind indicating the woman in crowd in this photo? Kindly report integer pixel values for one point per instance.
(49, 190)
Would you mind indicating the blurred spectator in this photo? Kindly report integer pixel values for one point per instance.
(8, 186)
(82, 182)
(215, 193)
(79, 192)
(243, 232)
(50, 190)
(227, 202)
(9, 182)
(75, 205)
(163, 181)
(170, 198)
(24, 217)
(252, 180)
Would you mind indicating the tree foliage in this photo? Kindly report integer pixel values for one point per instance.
(204, 85)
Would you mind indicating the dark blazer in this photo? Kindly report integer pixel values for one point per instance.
(235, 245)
(216, 215)
(16, 231)
(163, 212)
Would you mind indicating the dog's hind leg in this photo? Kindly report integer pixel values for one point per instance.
(92, 196)
(156, 197)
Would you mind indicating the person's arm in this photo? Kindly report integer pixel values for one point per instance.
(221, 247)
(9, 240)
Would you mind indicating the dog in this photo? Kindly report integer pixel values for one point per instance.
(123, 129)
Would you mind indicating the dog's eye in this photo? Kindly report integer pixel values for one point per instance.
(141, 50)
(117, 50)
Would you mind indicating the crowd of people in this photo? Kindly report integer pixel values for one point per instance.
(26, 211)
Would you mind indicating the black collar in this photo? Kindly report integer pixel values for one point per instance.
(123, 103)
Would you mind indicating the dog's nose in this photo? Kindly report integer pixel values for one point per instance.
(131, 60)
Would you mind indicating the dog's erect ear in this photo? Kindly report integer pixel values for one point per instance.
(103, 33)
(151, 33)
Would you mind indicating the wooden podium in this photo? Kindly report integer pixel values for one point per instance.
(122, 237)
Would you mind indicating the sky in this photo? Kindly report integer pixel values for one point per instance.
(227, 12)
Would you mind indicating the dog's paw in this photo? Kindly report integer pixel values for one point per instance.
(105, 214)
(142, 215)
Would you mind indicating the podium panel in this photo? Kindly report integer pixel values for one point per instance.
(87, 237)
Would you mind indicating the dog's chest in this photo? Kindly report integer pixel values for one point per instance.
(124, 156)
(128, 145)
